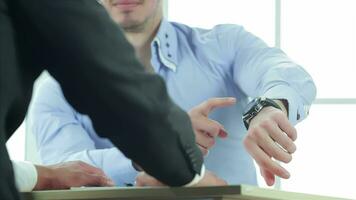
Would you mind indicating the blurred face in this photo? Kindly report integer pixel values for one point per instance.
(134, 15)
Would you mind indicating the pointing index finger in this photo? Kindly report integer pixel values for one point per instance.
(213, 103)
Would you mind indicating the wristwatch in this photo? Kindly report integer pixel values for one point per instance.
(255, 106)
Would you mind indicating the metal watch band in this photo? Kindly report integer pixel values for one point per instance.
(257, 105)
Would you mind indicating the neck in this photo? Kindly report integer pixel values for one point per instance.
(141, 40)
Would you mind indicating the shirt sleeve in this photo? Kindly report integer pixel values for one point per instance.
(61, 135)
(25, 175)
(260, 70)
(121, 172)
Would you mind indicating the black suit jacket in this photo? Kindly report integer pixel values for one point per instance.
(76, 41)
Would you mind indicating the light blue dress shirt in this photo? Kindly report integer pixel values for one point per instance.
(197, 64)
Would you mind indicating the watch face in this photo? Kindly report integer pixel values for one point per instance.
(255, 106)
(252, 104)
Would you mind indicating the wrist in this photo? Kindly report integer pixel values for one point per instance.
(283, 104)
(255, 107)
(44, 178)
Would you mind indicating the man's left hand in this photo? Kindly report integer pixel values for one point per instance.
(271, 135)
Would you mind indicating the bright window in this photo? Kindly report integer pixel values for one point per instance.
(321, 36)
(324, 162)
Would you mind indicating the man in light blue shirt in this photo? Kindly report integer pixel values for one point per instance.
(197, 64)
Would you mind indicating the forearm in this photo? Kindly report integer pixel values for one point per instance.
(264, 71)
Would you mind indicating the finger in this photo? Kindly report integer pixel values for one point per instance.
(263, 140)
(210, 104)
(268, 176)
(101, 177)
(204, 140)
(274, 150)
(263, 160)
(95, 180)
(204, 150)
(105, 181)
(281, 138)
(139, 182)
(222, 134)
(90, 169)
(210, 126)
(216, 180)
(220, 182)
(286, 126)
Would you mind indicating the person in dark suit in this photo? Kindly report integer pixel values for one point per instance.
(80, 46)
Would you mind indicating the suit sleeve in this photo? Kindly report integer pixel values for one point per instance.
(89, 56)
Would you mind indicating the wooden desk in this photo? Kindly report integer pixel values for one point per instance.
(238, 192)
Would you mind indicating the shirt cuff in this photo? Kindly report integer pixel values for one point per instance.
(196, 178)
(297, 111)
(25, 175)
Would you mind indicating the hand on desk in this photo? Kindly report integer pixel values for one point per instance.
(270, 135)
(206, 130)
(70, 174)
(209, 179)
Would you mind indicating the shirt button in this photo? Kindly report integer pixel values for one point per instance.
(166, 35)
(169, 55)
(167, 45)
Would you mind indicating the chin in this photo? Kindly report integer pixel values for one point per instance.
(130, 24)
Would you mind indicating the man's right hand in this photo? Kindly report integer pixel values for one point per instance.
(70, 174)
(206, 130)
(143, 179)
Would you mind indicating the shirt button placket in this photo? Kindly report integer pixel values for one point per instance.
(167, 45)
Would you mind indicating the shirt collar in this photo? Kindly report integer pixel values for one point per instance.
(166, 44)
